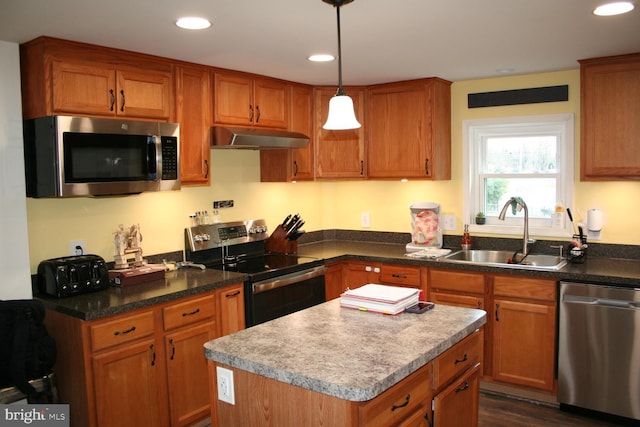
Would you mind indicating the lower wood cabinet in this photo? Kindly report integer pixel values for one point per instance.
(459, 403)
(145, 366)
(357, 273)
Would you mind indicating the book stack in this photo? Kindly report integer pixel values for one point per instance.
(380, 298)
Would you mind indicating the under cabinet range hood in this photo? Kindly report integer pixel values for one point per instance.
(255, 139)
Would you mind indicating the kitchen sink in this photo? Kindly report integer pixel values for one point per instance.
(501, 259)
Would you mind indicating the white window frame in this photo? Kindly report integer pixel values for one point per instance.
(474, 130)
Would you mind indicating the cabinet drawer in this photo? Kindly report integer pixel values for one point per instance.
(403, 275)
(185, 313)
(523, 287)
(121, 330)
(457, 359)
(456, 281)
(467, 301)
(398, 402)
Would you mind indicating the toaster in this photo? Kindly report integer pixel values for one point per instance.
(72, 275)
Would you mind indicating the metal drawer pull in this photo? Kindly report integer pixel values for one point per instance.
(113, 99)
(196, 311)
(406, 402)
(153, 354)
(464, 387)
(126, 331)
(173, 349)
(399, 276)
(232, 294)
(122, 94)
(464, 359)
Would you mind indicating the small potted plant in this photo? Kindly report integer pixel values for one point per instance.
(480, 218)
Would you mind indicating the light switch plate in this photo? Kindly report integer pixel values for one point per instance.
(449, 222)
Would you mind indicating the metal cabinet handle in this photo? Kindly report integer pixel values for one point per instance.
(361, 167)
(399, 276)
(295, 168)
(113, 99)
(497, 317)
(173, 349)
(426, 166)
(257, 113)
(406, 402)
(464, 359)
(123, 100)
(191, 313)
(233, 294)
(126, 331)
(464, 387)
(153, 354)
(251, 113)
(206, 169)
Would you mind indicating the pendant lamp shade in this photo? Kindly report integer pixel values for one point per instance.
(341, 113)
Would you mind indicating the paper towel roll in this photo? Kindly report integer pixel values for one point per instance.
(595, 220)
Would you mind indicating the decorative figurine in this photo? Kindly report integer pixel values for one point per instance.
(128, 250)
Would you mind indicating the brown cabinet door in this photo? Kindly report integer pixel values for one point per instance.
(193, 111)
(458, 404)
(610, 118)
(301, 120)
(127, 386)
(271, 102)
(333, 281)
(357, 274)
(524, 343)
(231, 302)
(233, 99)
(339, 153)
(83, 88)
(187, 372)
(145, 94)
(399, 141)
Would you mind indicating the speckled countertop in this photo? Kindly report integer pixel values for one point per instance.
(116, 299)
(345, 353)
(613, 271)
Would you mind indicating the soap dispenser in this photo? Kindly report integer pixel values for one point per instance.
(466, 239)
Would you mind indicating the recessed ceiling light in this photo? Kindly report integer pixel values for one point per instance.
(193, 23)
(505, 70)
(321, 58)
(616, 8)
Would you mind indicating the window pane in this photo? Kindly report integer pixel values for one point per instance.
(538, 193)
(525, 154)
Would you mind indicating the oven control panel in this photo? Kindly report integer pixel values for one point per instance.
(209, 236)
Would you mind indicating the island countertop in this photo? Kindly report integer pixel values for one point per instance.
(345, 353)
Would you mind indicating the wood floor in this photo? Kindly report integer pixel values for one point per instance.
(500, 411)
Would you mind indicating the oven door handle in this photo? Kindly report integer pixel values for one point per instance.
(289, 279)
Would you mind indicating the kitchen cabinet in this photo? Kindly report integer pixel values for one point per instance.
(356, 274)
(409, 129)
(339, 154)
(524, 331)
(610, 118)
(520, 334)
(144, 366)
(60, 77)
(246, 100)
(294, 164)
(456, 379)
(334, 284)
(193, 112)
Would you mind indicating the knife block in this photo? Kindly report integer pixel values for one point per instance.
(278, 242)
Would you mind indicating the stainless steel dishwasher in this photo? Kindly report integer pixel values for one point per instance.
(599, 348)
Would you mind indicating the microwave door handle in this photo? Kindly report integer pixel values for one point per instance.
(151, 157)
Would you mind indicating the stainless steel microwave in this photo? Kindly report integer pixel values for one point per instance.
(81, 156)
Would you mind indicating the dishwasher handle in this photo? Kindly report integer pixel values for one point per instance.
(604, 302)
(289, 279)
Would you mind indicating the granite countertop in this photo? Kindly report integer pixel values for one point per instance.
(612, 271)
(345, 353)
(119, 299)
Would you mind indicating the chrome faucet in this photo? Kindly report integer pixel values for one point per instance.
(517, 204)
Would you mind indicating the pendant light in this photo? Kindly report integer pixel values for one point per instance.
(341, 114)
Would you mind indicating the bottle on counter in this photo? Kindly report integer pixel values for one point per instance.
(466, 239)
(558, 216)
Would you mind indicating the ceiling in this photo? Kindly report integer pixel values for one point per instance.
(382, 40)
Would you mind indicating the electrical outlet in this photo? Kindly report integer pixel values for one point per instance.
(365, 220)
(76, 247)
(225, 385)
(448, 222)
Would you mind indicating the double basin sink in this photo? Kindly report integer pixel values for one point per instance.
(503, 259)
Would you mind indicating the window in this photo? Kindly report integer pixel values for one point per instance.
(529, 157)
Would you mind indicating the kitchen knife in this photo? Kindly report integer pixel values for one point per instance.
(296, 227)
(293, 222)
(571, 219)
(284, 223)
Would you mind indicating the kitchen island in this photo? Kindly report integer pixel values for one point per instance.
(328, 365)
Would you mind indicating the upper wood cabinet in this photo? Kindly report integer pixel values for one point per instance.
(409, 129)
(339, 153)
(610, 123)
(193, 112)
(60, 77)
(295, 164)
(245, 100)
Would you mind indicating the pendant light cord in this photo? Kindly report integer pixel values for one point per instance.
(340, 91)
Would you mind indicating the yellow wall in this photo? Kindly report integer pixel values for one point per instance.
(324, 205)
